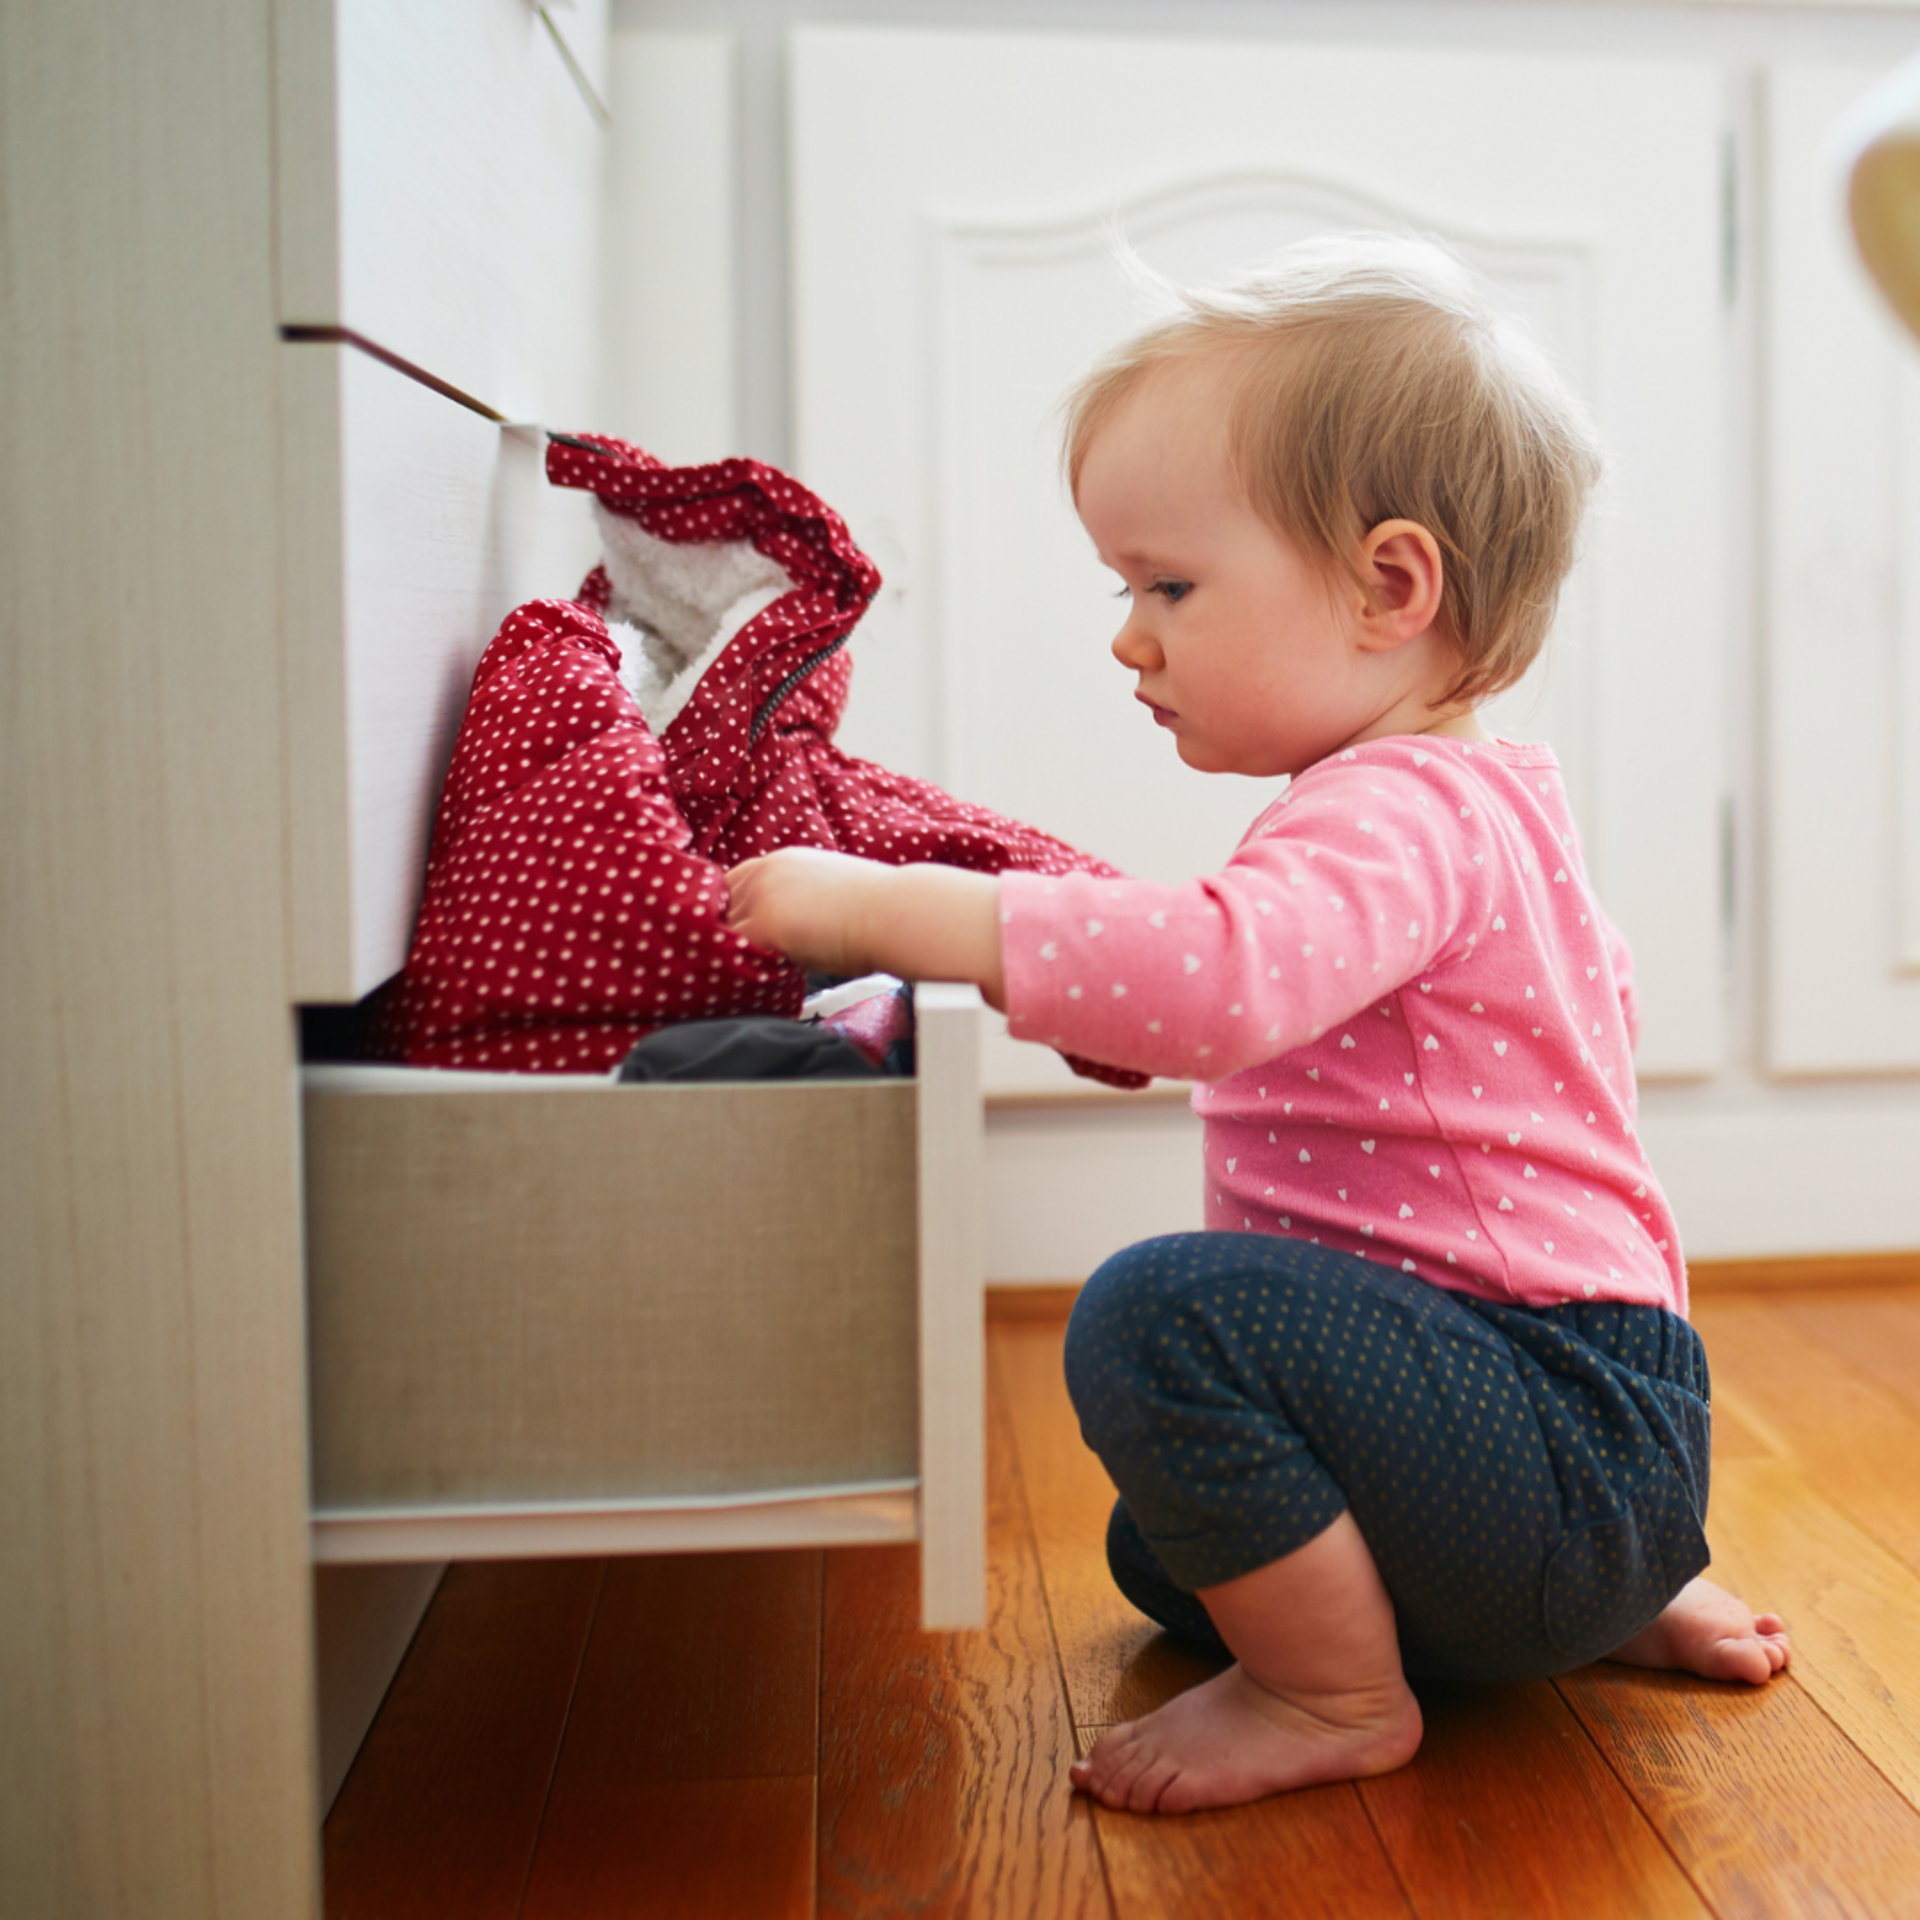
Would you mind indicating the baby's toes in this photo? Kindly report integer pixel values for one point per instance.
(1183, 1794)
(1779, 1653)
(1129, 1773)
(1111, 1751)
(1156, 1775)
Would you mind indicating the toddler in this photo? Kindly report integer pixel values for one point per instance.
(1422, 1399)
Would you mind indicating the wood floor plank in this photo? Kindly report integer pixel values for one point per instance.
(702, 1673)
(685, 1850)
(1309, 1855)
(1733, 1438)
(1510, 1808)
(442, 1808)
(1856, 1440)
(1771, 1810)
(1852, 1609)
(702, 1666)
(1118, 1664)
(943, 1765)
(1876, 1330)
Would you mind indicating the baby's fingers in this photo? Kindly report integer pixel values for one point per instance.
(796, 901)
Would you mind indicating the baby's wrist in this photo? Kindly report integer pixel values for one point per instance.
(867, 916)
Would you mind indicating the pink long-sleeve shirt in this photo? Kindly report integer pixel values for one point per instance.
(1412, 1023)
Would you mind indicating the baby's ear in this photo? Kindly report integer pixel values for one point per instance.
(1400, 566)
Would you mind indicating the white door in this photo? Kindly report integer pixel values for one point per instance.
(953, 195)
(1843, 682)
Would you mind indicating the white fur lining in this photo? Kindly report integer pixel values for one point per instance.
(675, 605)
(664, 688)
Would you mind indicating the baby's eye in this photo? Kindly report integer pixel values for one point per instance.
(1174, 591)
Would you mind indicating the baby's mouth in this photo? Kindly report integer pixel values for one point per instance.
(1162, 716)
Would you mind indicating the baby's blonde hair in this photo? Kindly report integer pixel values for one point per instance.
(1369, 379)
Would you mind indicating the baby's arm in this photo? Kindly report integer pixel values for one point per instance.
(836, 914)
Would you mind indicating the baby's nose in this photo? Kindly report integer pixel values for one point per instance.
(1132, 648)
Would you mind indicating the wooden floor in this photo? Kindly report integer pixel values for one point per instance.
(768, 1735)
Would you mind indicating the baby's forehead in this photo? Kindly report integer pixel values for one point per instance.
(1189, 399)
(1219, 399)
(1197, 372)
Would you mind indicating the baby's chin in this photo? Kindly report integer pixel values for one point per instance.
(1204, 759)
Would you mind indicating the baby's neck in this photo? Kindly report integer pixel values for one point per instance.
(1464, 725)
(1461, 725)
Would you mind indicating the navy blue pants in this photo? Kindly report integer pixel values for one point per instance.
(1531, 1481)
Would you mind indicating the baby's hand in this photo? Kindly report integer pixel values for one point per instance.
(836, 914)
(809, 904)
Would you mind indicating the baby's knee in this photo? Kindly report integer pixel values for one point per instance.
(1121, 1313)
(1123, 1299)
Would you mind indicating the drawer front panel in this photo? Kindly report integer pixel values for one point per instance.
(608, 1293)
(440, 191)
(413, 527)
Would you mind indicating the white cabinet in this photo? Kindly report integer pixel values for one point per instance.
(952, 199)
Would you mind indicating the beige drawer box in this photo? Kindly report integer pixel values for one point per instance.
(557, 1315)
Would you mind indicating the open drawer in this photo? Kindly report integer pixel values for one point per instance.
(553, 1315)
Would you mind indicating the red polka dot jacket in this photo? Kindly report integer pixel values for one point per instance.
(575, 895)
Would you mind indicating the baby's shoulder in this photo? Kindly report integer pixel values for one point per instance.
(1443, 785)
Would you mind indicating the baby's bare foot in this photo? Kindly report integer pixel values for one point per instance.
(1706, 1630)
(1231, 1739)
